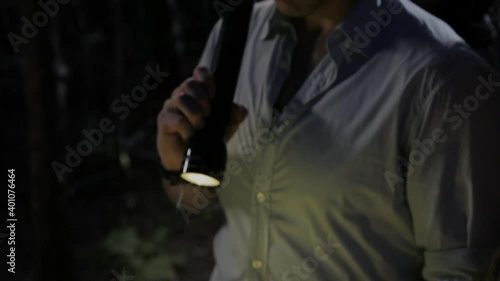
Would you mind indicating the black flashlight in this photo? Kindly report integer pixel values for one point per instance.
(205, 159)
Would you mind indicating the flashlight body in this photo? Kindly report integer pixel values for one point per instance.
(207, 153)
(227, 63)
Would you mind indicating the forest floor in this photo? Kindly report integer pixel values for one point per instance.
(125, 224)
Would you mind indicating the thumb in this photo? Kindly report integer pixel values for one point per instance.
(237, 115)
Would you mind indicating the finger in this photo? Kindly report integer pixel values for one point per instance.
(204, 75)
(237, 115)
(196, 90)
(170, 123)
(176, 93)
(187, 106)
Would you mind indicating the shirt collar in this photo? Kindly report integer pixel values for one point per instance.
(275, 25)
(349, 34)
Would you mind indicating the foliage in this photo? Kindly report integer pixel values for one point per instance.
(147, 259)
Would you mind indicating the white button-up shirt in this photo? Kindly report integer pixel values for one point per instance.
(384, 164)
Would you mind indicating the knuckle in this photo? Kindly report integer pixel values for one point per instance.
(177, 92)
(159, 118)
(198, 121)
(167, 104)
(195, 119)
(169, 120)
(170, 106)
(175, 123)
(191, 83)
(201, 69)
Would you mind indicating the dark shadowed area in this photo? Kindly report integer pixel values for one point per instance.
(80, 132)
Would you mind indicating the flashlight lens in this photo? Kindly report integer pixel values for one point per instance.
(200, 179)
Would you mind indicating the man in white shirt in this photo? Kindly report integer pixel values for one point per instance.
(364, 145)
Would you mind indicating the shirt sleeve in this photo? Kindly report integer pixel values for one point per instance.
(452, 173)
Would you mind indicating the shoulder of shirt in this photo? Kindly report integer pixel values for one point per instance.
(437, 38)
(431, 61)
(430, 45)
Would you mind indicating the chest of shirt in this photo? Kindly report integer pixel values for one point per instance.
(330, 134)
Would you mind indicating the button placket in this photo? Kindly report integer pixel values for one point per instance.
(262, 210)
(261, 203)
(257, 264)
(261, 197)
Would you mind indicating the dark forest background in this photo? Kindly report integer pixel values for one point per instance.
(109, 216)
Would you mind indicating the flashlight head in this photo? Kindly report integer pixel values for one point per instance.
(205, 162)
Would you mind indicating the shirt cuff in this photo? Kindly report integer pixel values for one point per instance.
(455, 265)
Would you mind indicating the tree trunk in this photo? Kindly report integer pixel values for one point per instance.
(51, 260)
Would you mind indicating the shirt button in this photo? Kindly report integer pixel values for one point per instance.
(256, 264)
(261, 197)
